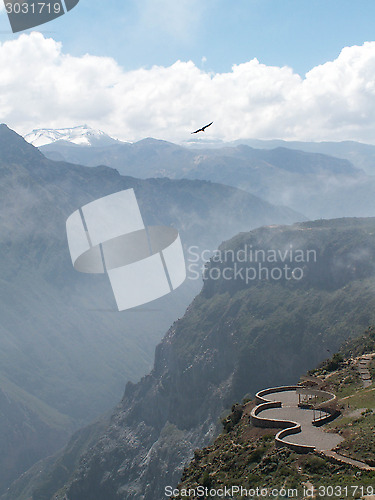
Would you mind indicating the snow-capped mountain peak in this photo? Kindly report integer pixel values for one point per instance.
(82, 135)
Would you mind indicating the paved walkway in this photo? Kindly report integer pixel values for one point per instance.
(309, 435)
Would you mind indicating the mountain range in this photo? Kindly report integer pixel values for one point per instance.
(361, 155)
(81, 135)
(238, 336)
(66, 354)
(308, 180)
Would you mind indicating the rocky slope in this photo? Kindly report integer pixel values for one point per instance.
(235, 338)
(245, 456)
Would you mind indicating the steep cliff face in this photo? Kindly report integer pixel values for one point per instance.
(235, 338)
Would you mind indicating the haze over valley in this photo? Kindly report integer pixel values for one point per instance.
(221, 157)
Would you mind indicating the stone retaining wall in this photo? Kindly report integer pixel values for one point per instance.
(271, 390)
(289, 427)
(298, 448)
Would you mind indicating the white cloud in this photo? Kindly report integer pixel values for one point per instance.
(42, 87)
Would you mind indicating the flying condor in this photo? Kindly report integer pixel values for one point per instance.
(203, 128)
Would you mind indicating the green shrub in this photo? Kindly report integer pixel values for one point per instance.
(315, 465)
(257, 454)
(206, 480)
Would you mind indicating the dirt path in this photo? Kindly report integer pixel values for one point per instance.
(364, 372)
(350, 461)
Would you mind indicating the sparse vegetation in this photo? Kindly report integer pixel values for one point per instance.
(246, 456)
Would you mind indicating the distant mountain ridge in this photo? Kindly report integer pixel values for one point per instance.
(82, 135)
(361, 155)
(313, 183)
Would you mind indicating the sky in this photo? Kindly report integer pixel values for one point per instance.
(266, 69)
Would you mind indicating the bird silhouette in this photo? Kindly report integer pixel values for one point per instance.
(203, 128)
